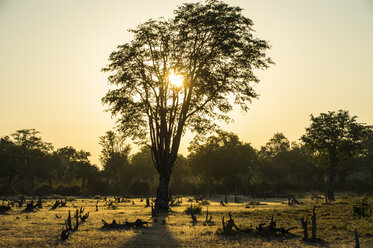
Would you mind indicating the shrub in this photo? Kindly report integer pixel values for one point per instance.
(363, 208)
(139, 188)
(195, 209)
(68, 190)
(43, 190)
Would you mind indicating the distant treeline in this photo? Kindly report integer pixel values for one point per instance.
(220, 164)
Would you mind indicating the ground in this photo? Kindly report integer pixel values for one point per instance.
(336, 223)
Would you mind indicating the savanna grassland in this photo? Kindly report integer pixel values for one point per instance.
(336, 223)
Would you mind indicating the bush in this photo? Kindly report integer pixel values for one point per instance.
(43, 190)
(195, 209)
(5, 190)
(363, 208)
(69, 190)
(139, 188)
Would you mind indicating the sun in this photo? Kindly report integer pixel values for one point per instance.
(175, 79)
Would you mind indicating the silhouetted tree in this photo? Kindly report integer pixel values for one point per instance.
(276, 145)
(285, 167)
(75, 164)
(368, 151)
(272, 163)
(142, 165)
(10, 167)
(335, 136)
(213, 47)
(115, 160)
(32, 150)
(180, 182)
(223, 160)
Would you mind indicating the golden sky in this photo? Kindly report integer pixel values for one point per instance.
(52, 52)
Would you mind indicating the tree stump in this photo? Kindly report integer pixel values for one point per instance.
(314, 226)
(304, 226)
(357, 243)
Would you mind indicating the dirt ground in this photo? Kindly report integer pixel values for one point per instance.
(336, 224)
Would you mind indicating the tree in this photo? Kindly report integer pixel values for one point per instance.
(283, 167)
(115, 160)
(368, 156)
(75, 164)
(9, 166)
(276, 145)
(336, 136)
(222, 160)
(142, 166)
(186, 72)
(32, 153)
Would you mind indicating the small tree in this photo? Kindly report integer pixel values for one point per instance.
(181, 73)
(335, 136)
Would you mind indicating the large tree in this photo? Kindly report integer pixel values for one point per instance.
(185, 72)
(335, 136)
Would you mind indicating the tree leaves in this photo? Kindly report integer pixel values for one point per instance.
(212, 46)
(335, 133)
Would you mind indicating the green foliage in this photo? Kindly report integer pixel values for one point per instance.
(362, 208)
(222, 160)
(222, 163)
(196, 209)
(213, 47)
(142, 166)
(336, 134)
(277, 144)
(139, 187)
(115, 160)
(335, 137)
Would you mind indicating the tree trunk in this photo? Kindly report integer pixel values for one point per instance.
(330, 192)
(10, 190)
(161, 201)
(30, 184)
(50, 182)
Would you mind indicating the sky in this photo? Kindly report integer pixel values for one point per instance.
(52, 53)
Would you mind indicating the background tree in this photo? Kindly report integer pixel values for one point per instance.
(10, 168)
(222, 161)
(74, 166)
(284, 167)
(276, 145)
(115, 160)
(31, 153)
(181, 178)
(336, 136)
(368, 151)
(143, 169)
(181, 73)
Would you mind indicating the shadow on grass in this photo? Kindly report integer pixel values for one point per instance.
(156, 235)
(318, 242)
(263, 237)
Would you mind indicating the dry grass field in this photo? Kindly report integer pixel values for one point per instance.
(336, 223)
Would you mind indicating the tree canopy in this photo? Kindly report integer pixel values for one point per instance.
(212, 47)
(222, 160)
(336, 136)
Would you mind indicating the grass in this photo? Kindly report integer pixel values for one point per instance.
(336, 223)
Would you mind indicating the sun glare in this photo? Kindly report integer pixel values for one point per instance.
(175, 79)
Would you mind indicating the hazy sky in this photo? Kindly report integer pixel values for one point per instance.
(52, 52)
